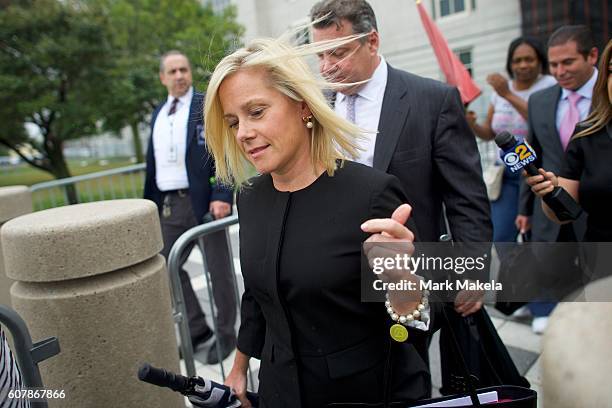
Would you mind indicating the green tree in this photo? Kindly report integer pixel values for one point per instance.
(74, 68)
(142, 30)
(54, 58)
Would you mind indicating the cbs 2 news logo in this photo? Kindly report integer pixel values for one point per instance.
(519, 156)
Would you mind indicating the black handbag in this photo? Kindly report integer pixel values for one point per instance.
(500, 365)
(516, 274)
(539, 272)
(509, 396)
(484, 353)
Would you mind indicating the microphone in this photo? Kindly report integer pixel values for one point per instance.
(162, 378)
(200, 392)
(519, 155)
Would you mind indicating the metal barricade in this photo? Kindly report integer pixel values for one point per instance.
(178, 302)
(122, 182)
(28, 355)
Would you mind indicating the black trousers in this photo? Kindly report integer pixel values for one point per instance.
(173, 225)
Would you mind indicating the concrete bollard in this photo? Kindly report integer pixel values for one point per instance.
(576, 362)
(91, 275)
(14, 201)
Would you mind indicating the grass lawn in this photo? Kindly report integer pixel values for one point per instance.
(120, 186)
(26, 175)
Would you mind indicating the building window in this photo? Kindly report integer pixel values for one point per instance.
(450, 7)
(465, 56)
(219, 5)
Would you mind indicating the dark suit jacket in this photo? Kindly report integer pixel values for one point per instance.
(544, 138)
(302, 313)
(200, 165)
(425, 141)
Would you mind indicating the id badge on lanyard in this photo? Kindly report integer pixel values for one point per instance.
(172, 152)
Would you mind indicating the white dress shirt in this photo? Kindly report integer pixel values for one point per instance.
(170, 144)
(368, 106)
(584, 104)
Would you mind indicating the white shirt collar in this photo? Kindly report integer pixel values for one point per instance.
(371, 89)
(183, 100)
(586, 90)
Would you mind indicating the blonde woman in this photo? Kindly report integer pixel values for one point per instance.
(302, 223)
(587, 175)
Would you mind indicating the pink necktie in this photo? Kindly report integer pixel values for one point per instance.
(572, 116)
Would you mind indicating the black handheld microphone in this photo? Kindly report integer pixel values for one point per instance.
(200, 392)
(518, 155)
(162, 378)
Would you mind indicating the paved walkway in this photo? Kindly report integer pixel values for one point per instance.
(522, 343)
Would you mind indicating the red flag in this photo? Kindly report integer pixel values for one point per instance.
(455, 72)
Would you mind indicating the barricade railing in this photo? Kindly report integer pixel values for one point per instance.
(178, 301)
(28, 355)
(122, 182)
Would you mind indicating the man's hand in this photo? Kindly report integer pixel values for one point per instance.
(522, 223)
(219, 209)
(499, 84)
(468, 302)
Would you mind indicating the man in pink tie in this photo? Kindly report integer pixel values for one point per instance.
(552, 117)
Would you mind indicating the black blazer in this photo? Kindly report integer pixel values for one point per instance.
(301, 310)
(544, 138)
(425, 141)
(200, 165)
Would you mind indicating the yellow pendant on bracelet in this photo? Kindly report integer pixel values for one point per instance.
(399, 333)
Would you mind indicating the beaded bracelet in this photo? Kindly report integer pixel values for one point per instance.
(415, 315)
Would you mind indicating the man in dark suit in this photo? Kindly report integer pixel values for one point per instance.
(423, 138)
(180, 180)
(552, 116)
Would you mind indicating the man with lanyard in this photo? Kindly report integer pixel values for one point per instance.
(180, 180)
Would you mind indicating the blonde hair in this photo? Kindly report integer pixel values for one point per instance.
(601, 113)
(332, 137)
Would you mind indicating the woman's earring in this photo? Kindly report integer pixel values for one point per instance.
(308, 120)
